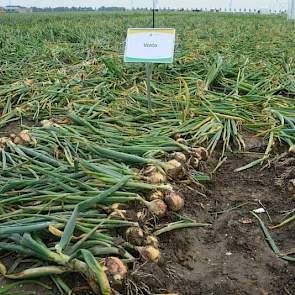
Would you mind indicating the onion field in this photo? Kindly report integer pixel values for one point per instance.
(92, 184)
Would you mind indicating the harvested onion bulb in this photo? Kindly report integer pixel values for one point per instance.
(119, 214)
(174, 201)
(291, 186)
(292, 150)
(180, 157)
(194, 162)
(116, 269)
(149, 253)
(152, 241)
(156, 207)
(25, 136)
(175, 169)
(201, 153)
(155, 196)
(154, 176)
(17, 140)
(48, 123)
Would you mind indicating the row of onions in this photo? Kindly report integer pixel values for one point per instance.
(77, 198)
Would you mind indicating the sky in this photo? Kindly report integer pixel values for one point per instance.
(274, 4)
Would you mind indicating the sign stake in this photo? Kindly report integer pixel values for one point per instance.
(148, 67)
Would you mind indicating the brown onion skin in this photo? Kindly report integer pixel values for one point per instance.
(174, 201)
(201, 153)
(150, 253)
(158, 208)
(292, 150)
(25, 136)
(17, 140)
(291, 186)
(155, 196)
(116, 271)
(178, 156)
(152, 241)
(195, 163)
(156, 178)
(152, 175)
(175, 169)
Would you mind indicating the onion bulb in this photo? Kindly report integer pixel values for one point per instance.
(17, 140)
(48, 123)
(156, 207)
(149, 253)
(135, 236)
(174, 201)
(118, 206)
(201, 153)
(176, 136)
(194, 162)
(116, 269)
(149, 170)
(155, 196)
(180, 157)
(292, 150)
(140, 216)
(153, 175)
(291, 186)
(156, 178)
(152, 241)
(25, 136)
(175, 169)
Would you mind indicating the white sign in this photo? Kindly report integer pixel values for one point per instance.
(150, 45)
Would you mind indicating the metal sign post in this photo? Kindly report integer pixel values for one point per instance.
(148, 67)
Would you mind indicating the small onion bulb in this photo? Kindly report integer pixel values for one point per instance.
(17, 140)
(292, 150)
(291, 186)
(154, 176)
(115, 268)
(201, 153)
(175, 169)
(174, 201)
(157, 207)
(152, 241)
(155, 196)
(25, 136)
(194, 162)
(180, 157)
(149, 253)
